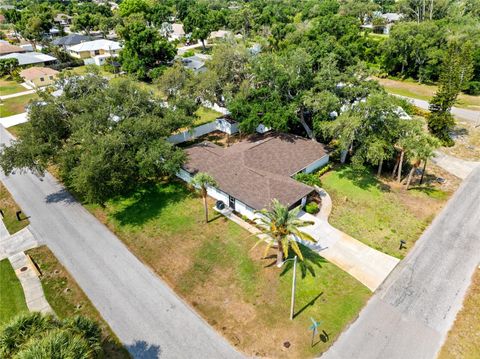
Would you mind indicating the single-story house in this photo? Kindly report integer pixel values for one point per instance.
(253, 172)
(71, 40)
(7, 48)
(63, 19)
(177, 32)
(39, 76)
(194, 63)
(89, 50)
(227, 124)
(220, 34)
(31, 58)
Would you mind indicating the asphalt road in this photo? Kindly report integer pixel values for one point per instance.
(460, 113)
(410, 314)
(142, 310)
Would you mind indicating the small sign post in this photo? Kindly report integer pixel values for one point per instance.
(314, 328)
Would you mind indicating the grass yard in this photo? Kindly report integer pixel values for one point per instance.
(206, 115)
(464, 337)
(10, 208)
(9, 87)
(12, 300)
(380, 214)
(15, 105)
(82, 70)
(213, 267)
(17, 130)
(67, 299)
(413, 89)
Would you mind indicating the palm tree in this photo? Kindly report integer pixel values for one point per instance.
(204, 180)
(283, 226)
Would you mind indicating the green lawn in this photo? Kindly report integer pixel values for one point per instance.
(82, 70)
(213, 267)
(206, 115)
(12, 300)
(380, 214)
(17, 130)
(15, 105)
(9, 208)
(67, 299)
(9, 87)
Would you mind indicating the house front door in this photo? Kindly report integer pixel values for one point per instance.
(231, 202)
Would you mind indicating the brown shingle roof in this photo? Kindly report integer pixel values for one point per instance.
(35, 72)
(257, 170)
(9, 48)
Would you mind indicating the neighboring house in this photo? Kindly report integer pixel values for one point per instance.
(382, 23)
(7, 48)
(253, 172)
(220, 34)
(177, 32)
(31, 58)
(96, 51)
(195, 63)
(70, 40)
(39, 76)
(63, 20)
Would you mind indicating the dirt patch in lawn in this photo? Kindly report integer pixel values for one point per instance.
(213, 267)
(67, 299)
(467, 142)
(464, 337)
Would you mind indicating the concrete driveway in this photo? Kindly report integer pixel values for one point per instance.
(362, 262)
(456, 166)
(14, 120)
(410, 314)
(145, 314)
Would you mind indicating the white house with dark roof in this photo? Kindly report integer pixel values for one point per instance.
(253, 172)
(96, 51)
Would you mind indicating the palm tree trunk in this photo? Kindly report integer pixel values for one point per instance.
(205, 206)
(279, 254)
(379, 172)
(423, 171)
(399, 177)
(412, 171)
(396, 166)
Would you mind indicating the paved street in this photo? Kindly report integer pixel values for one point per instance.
(410, 314)
(461, 113)
(142, 310)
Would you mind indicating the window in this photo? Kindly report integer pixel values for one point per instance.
(50, 77)
(42, 79)
(97, 52)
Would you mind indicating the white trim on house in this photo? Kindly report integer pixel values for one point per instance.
(314, 165)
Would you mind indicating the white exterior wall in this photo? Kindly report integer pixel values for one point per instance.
(226, 127)
(317, 164)
(244, 210)
(188, 135)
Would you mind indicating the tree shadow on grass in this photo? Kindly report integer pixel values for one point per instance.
(363, 178)
(306, 306)
(149, 201)
(311, 261)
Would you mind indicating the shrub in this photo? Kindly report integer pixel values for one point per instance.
(310, 179)
(312, 208)
(324, 170)
(188, 53)
(473, 88)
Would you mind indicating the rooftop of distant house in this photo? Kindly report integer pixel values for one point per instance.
(258, 169)
(36, 72)
(71, 39)
(101, 44)
(6, 48)
(29, 58)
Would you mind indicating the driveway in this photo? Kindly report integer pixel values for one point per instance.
(410, 314)
(362, 262)
(456, 166)
(146, 315)
(13, 120)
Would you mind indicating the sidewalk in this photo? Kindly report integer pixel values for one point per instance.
(14, 120)
(18, 94)
(456, 166)
(12, 246)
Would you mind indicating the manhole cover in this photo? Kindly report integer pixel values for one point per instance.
(286, 345)
(23, 269)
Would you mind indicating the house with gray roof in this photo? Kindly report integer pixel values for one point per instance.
(31, 58)
(70, 40)
(253, 172)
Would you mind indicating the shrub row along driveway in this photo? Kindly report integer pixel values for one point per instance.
(142, 310)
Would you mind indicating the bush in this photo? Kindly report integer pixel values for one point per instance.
(473, 88)
(310, 179)
(188, 53)
(312, 208)
(324, 170)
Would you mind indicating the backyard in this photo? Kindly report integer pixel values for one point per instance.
(380, 213)
(413, 89)
(15, 105)
(213, 267)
